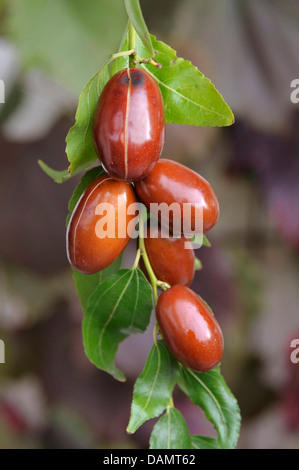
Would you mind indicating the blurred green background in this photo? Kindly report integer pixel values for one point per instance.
(50, 395)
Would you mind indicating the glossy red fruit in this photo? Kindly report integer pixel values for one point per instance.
(87, 252)
(171, 182)
(191, 332)
(129, 125)
(172, 259)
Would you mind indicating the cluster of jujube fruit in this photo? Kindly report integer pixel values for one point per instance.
(129, 132)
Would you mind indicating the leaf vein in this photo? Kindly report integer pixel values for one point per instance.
(112, 314)
(136, 302)
(184, 97)
(213, 398)
(154, 381)
(98, 300)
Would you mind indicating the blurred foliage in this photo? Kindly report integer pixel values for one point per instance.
(250, 285)
(20, 304)
(68, 426)
(254, 396)
(250, 51)
(12, 102)
(69, 39)
(272, 159)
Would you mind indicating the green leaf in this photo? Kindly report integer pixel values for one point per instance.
(79, 141)
(85, 181)
(80, 149)
(68, 39)
(189, 97)
(200, 240)
(136, 17)
(87, 283)
(209, 391)
(112, 269)
(57, 176)
(153, 388)
(119, 306)
(206, 242)
(203, 442)
(197, 264)
(170, 432)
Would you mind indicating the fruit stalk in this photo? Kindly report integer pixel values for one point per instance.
(132, 44)
(146, 261)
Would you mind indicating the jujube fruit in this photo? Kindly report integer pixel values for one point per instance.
(172, 259)
(171, 182)
(190, 330)
(87, 252)
(129, 125)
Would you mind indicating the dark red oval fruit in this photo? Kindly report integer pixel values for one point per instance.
(171, 182)
(172, 259)
(191, 332)
(88, 249)
(129, 125)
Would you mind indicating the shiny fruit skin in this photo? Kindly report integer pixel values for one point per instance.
(191, 332)
(86, 251)
(129, 125)
(171, 261)
(171, 182)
